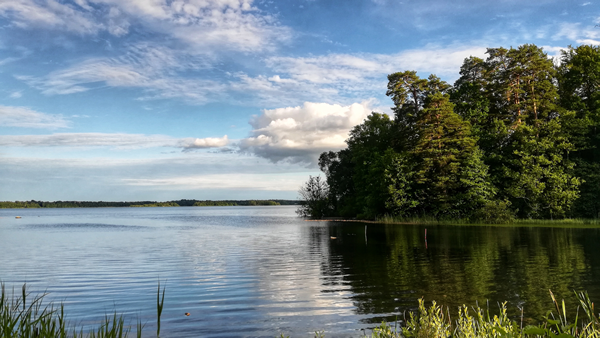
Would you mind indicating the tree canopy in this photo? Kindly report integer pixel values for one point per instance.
(517, 135)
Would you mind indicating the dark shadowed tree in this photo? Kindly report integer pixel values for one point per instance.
(314, 198)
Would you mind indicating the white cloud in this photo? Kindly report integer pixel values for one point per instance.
(158, 70)
(15, 95)
(300, 134)
(212, 24)
(203, 143)
(195, 175)
(8, 60)
(114, 140)
(239, 181)
(335, 68)
(589, 42)
(49, 14)
(345, 77)
(575, 32)
(24, 117)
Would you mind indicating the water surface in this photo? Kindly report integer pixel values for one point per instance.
(261, 271)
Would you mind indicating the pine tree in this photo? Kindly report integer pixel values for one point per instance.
(449, 168)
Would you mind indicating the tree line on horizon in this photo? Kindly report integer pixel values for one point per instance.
(103, 204)
(515, 136)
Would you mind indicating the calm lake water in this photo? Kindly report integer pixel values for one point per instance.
(262, 271)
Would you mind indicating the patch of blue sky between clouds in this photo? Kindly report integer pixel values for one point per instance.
(115, 90)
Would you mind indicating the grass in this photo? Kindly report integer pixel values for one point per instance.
(25, 316)
(435, 322)
(567, 222)
(389, 219)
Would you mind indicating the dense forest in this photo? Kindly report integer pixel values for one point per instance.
(516, 136)
(178, 203)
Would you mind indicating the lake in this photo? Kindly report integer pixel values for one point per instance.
(262, 271)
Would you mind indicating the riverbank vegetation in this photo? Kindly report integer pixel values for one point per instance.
(24, 316)
(103, 204)
(435, 321)
(564, 222)
(516, 137)
(22, 319)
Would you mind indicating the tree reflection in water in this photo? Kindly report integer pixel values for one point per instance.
(459, 265)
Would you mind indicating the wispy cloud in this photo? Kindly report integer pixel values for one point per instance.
(240, 181)
(24, 117)
(576, 32)
(112, 140)
(49, 14)
(198, 175)
(345, 78)
(160, 71)
(211, 24)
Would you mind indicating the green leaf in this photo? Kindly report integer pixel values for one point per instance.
(534, 330)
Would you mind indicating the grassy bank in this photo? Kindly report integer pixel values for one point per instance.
(567, 222)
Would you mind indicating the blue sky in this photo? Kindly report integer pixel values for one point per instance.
(225, 99)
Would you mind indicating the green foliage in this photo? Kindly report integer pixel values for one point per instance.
(494, 212)
(159, 204)
(160, 303)
(19, 204)
(22, 319)
(538, 179)
(214, 204)
(449, 169)
(434, 322)
(102, 204)
(516, 136)
(314, 196)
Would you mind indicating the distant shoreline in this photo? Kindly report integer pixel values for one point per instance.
(137, 204)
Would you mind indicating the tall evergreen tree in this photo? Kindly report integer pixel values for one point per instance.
(579, 89)
(522, 136)
(449, 167)
(439, 171)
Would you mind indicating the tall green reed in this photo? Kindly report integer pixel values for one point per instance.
(23, 315)
(159, 308)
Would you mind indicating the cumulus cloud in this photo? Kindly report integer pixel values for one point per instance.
(300, 134)
(112, 140)
(24, 117)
